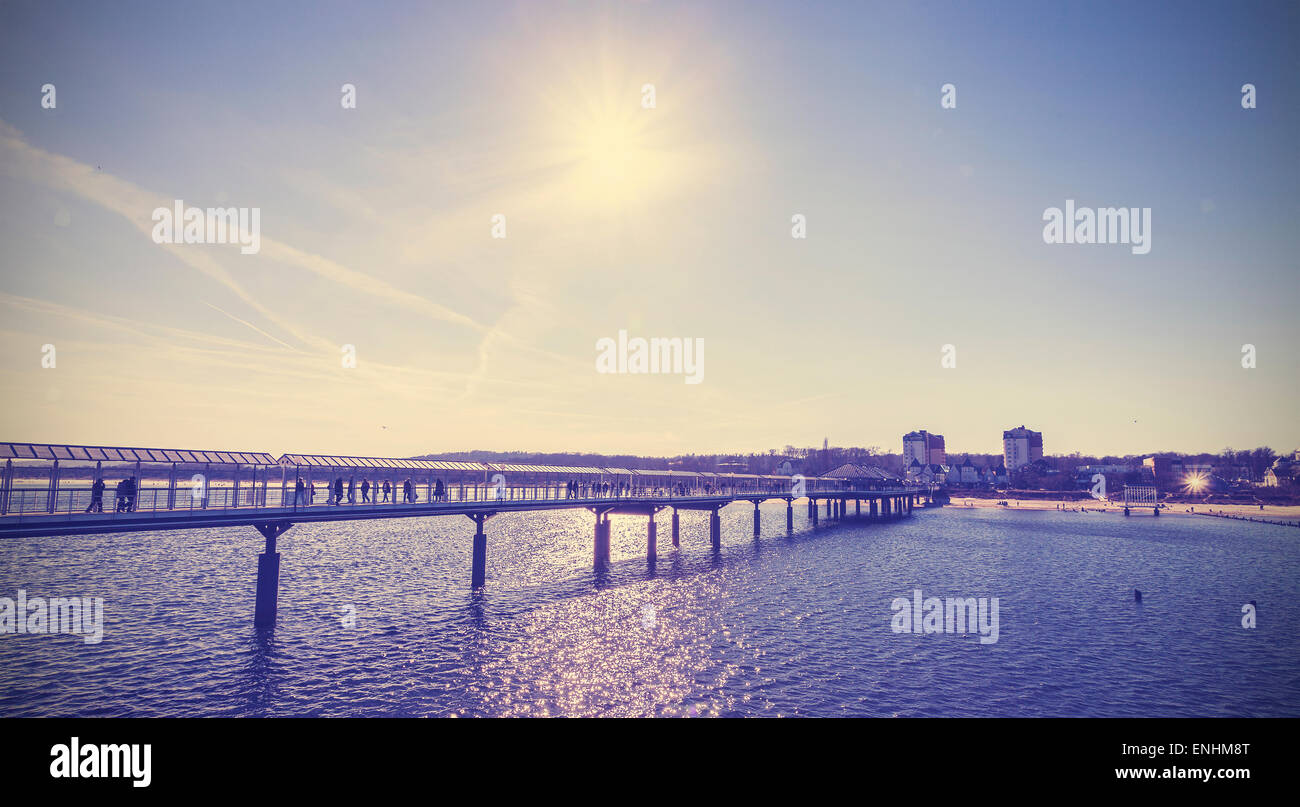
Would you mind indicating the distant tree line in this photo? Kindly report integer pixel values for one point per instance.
(813, 460)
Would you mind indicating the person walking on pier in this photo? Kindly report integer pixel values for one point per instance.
(130, 492)
(338, 490)
(406, 491)
(365, 491)
(439, 491)
(96, 496)
(311, 492)
(387, 489)
(298, 490)
(352, 490)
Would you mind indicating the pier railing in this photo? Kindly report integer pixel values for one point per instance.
(27, 502)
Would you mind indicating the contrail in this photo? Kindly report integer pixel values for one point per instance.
(251, 325)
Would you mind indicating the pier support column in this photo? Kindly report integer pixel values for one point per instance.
(828, 508)
(812, 511)
(789, 515)
(757, 520)
(652, 540)
(268, 576)
(677, 529)
(601, 553)
(857, 508)
(715, 530)
(478, 566)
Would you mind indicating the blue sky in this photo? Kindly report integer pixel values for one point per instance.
(924, 224)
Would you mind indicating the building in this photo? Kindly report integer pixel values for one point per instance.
(1021, 446)
(924, 448)
(1105, 469)
(1284, 473)
(1163, 469)
(788, 466)
(865, 476)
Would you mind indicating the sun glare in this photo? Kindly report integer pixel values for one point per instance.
(609, 148)
(1195, 482)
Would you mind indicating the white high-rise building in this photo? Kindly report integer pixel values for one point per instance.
(1021, 446)
(925, 448)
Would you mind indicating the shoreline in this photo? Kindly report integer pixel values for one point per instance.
(1278, 515)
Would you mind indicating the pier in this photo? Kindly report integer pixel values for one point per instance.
(49, 490)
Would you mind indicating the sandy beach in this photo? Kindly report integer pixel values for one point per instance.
(1287, 514)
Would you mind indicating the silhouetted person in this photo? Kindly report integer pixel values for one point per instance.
(439, 491)
(352, 490)
(130, 494)
(311, 492)
(298, 489)
(365, 490)
(96, 497)
(338, 490)
(387, 489)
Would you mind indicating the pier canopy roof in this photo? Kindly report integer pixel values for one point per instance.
(850, 470)
(659, 472)
(395, 463)
(524, 468)
(49, 451)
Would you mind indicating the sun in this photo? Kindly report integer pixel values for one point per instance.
(615, 126)
(615, 156)
(1195, 482)
(610, 150)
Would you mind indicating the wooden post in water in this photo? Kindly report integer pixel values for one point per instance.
(757, 519)
(789, 515)
(651, 548)
(715, 530)
(676, 529)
